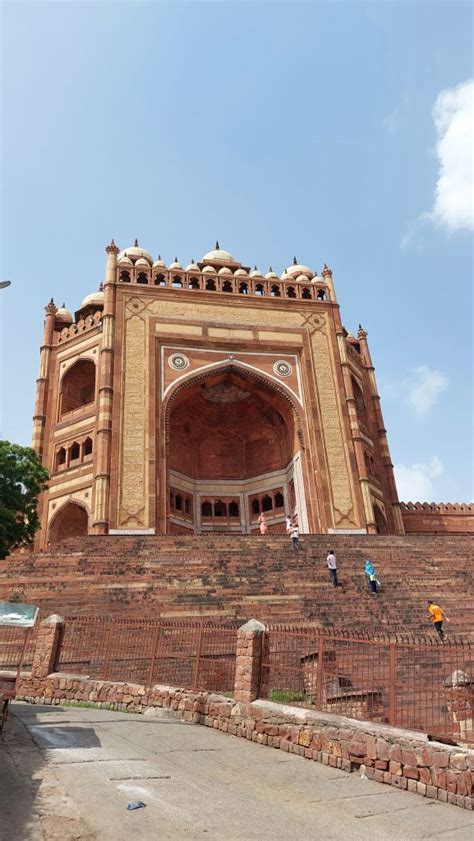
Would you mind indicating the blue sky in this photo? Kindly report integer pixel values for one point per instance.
(278, 128)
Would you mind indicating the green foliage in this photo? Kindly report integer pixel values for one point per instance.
(22, 478)
(286, 696)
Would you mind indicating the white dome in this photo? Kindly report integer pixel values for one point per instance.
(94, 299)
(302, 278)
(125, 261)
(256, 273)
(218, 255)
(209, 270)
(192, 268)
(134, 252)
(225, 270)
(240, 273)
(175, 264)
(298, 269)
(142, 262)
(286, 276)
(318, 279)
(159, 263)
(63, 315)
(271, 274)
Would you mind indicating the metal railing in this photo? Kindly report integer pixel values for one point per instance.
(414, 682)
(191, 655)
(13, 643)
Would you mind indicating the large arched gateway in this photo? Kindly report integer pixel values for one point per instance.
(233, 452)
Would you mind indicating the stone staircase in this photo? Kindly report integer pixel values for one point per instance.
(220, 577)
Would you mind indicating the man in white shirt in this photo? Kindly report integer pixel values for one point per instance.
(332, 567)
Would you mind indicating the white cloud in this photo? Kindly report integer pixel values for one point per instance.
(453, 115)
(415, 482)
(423, 388)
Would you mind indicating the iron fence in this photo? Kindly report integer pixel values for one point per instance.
(191, 655)
(13, 643)
(418, 683)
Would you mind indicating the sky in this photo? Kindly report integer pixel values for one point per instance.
(339, 132)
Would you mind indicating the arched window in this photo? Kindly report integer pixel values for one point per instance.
(177, 283)
(321, 296)
(275, 291)
(306, 293)
(259, 289)
(77, 386)
(178, 502)
(160, 280)
(220, 509)
(70, 521)
(124, 276)
(243, 288)
(206, 509)
(255, 506)
(360, 402)
(380, 520)
(291, 292)
(142, 277)
(187, 505)
(194, 283)
(75, 451)
(210, 284)
(233, 509)
(60, 458)
(279, 500)
(267, 503)
(87, 447)
(227, 286)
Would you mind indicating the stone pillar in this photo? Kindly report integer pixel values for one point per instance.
(47, 646)
(248, 664)
(100, 521)
(389, 474)
(42, 383)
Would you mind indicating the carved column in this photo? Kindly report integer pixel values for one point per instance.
(100, 521)
(382, 433)
(42, 383)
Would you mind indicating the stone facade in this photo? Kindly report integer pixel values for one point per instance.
(191, 400)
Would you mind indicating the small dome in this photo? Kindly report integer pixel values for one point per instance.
(209, 270)
(271, 275)
(175, 264)
(192, 267)
(256, 272)
(125, 261)
(142, 262)
(95, 299)
(302, 278)
(63, 316)
(298, 269)
(225, 270)
(318, 279)
(159, 263)
(286, 276)
(240, 273)
(134, 252)
(218, 255)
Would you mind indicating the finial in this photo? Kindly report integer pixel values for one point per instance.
(176, 260)
(135, 244)
(255, 269)
(63, 305)
(101, 287)
(192, 260)
(270, 269)
(159, 256)
(326, 272)
(112, 248)
(295, 261)
(361, 333)
(218, 248)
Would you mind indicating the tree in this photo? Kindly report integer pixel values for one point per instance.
(22, 478)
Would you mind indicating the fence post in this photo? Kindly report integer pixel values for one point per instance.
(108, 646)
(248, 662)
(47, 646)
(320, 673)
(153, 655)
(392, 681)
(197, 661)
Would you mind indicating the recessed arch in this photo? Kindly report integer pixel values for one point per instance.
(71, 520)
(77, 387)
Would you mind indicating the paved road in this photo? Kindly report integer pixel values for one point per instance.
(85, 765)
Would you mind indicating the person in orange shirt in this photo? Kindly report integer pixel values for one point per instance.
(437, 616)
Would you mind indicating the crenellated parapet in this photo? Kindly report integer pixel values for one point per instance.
(438, 516)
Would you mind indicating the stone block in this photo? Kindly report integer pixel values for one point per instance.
(395, 768)
(382, 749)
(440, 759)
(411, 772)
(458, 761)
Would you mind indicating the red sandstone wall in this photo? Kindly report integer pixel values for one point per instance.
(437, 518)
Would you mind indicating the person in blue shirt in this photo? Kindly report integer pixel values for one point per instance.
(370, 572)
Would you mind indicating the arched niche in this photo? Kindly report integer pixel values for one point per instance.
(70, 521)
(77, 386)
